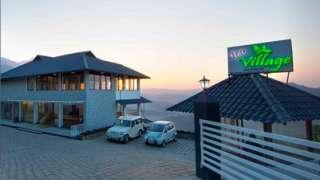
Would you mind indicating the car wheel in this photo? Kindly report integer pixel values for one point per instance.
(126, 139)
(163, 144)
(140, 133)
(146, 142)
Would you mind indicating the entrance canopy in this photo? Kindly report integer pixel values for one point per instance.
(133, 101)
(258, 98)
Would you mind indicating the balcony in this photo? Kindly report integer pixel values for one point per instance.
(122, 95)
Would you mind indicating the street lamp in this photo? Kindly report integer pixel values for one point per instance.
(204, 83)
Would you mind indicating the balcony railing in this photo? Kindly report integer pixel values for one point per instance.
(121, 95)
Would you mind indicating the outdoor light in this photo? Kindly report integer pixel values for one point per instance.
(204, 82)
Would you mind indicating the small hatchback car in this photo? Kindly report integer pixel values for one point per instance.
(126, 128)
(160, 133)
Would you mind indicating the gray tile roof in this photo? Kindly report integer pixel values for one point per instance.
(258, 98)
(133, 101)
(79, 61)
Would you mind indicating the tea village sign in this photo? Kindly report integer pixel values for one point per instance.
(265, 57)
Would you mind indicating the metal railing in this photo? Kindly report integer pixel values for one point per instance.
(242, 153)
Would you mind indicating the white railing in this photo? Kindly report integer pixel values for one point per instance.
(242, 153)
(122, 95)
(76, 130)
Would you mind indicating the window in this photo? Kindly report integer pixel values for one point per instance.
(47, 82)
(99, 82)
(10, 111)
(108, 82)
(103, 82)
(73, 81)
(27, 111)
(72, 114)
(91, 81)
(47, 113)
(135, 84)
(96, 82)
(119, 84)
(31, 83)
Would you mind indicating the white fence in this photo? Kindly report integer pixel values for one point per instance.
(76, 130)
(242, 153)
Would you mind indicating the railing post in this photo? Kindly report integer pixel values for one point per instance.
(205, 107)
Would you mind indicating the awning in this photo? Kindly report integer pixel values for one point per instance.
(133, 101)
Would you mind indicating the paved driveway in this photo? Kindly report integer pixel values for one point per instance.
(27, 156)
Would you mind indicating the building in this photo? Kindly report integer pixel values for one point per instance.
(258, 102)
(73, 91)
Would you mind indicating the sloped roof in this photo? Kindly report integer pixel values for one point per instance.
(258, 98)
(133, 101)
(79, 61)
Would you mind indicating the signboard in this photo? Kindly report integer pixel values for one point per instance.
(265, 57)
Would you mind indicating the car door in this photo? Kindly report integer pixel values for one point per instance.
(166, 133)
(132, 131)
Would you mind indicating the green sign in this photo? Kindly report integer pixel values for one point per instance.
(261, 58)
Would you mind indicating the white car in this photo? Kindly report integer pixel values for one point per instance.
(160, 133)
(126, 128)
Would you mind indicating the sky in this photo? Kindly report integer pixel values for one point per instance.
(174, 42)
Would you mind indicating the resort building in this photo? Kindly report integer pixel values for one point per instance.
(74, 91)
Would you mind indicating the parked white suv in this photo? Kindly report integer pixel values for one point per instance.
(126, 128)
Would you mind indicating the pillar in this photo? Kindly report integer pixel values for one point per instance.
(138, 84)
(20, 111)
(139, 109)
(60, 114)
(205, 107)
(35, 112)
(308, 125)
(59, 81)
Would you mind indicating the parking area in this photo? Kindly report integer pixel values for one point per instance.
(25, 155)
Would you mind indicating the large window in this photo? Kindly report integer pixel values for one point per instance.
(99, 82)
(31, 83)
(72, 114)
(47, 114)
(73, 81)
(128, 84)
(10, 111)
(27, 111)
(47, 82)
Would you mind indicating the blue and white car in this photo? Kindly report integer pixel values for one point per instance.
(127, 127)
(160, 133)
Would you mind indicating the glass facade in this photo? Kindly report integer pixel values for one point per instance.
(99, 82)
(72, 114)
(10, 110)
(48, 114)
(73, 81)
(31, 83)
(27, 111)
(128, 84)
(47, 82)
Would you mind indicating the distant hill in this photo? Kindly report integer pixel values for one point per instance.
(314, 91)
(7, 64)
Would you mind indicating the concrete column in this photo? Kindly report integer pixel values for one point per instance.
(139, 109)
(124, 83)
(138, 84)
(35, 112)
(60, 114)
(124, 110)
(86, 80)
(205, 107)
(20, 111)
(113, 83)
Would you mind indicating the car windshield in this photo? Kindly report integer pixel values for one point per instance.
(156, 127)
(124, 123)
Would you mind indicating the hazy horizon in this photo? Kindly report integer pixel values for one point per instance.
(173, 42)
